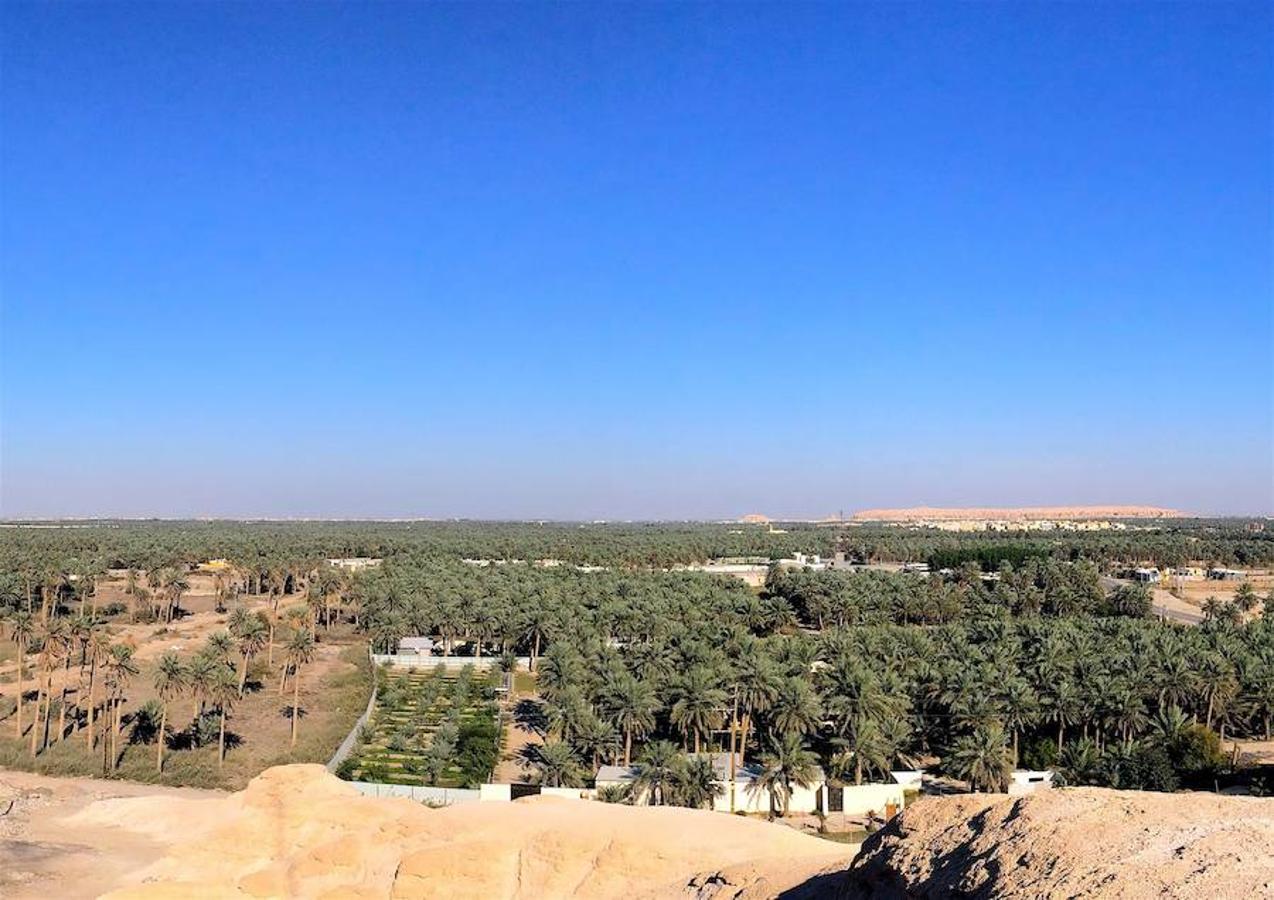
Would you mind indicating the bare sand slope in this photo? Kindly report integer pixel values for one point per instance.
(1076, 842)
(298, 832)
(1068, 513)
(43, 855)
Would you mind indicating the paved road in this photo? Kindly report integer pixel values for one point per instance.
(1162, 603)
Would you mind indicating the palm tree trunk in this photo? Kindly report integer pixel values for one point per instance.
(243, 675)
(92, 671)
(22, 653)
(221, 740)
(628, 746)
(35, 727)
(159, 751)
(296, 702)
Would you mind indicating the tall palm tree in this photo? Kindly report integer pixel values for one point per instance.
(795, 710)
(224, 693)
(699, 705)
(99, 644)
(21, 630)
(200, 677)
(655, 774)
(983, 759)
(757, 685)
(867, 750)
(632, 705)
(119, 671)
(786, 765)
(300, 651)
(170, 681)
(249, 632)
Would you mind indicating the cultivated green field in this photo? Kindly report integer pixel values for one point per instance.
(430, 727)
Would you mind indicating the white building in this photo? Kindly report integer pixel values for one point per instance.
(418, 646)
(1026, 781)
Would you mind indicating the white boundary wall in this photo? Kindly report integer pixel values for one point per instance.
(421, 794)
(429, 663)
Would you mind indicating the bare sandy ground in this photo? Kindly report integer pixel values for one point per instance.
(44, 853)
(298, 832)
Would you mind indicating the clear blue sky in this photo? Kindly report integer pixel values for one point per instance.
(648, 260)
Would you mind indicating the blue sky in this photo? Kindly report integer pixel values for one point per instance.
(646, 260)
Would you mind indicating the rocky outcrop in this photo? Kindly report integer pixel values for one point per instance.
(1078, 842)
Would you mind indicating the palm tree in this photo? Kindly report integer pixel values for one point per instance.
(1019, 710)
(633, 706)
(21, 630)
(699, 705)
(174, 584)
(300, 651)
(120, 670)
(99, 644)
(795, 710)
(557, 764)
(1080, 763)
(787, 764)
(224, 693)
(867, 749)
(199, 678)
(170, 681)
(696, 784)
(54, 646)
(655, 774)
(983, 759)
(249, 631)
(757, 687)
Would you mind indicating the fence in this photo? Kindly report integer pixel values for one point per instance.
(351, 739)
(421, 794)
(427, 663)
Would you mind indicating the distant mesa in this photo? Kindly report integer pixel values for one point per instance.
(1021, 513)
(755, 519)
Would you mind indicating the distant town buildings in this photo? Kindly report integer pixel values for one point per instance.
(354, 563)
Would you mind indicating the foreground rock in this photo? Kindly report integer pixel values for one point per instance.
(296, 831)
(1079, 842)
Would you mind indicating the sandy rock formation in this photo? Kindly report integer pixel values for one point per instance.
(1078, 842)
(296, 831)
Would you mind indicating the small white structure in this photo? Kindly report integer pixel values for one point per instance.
(1219, 574)
(909, 778)
(1146, 576)
(355, 563)
(1027, 781)
(418, 646)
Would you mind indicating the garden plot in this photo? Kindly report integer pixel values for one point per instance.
(429, 727)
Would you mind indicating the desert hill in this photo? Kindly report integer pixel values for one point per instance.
(296, 831)
(1020, 513)
(1076, 842)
